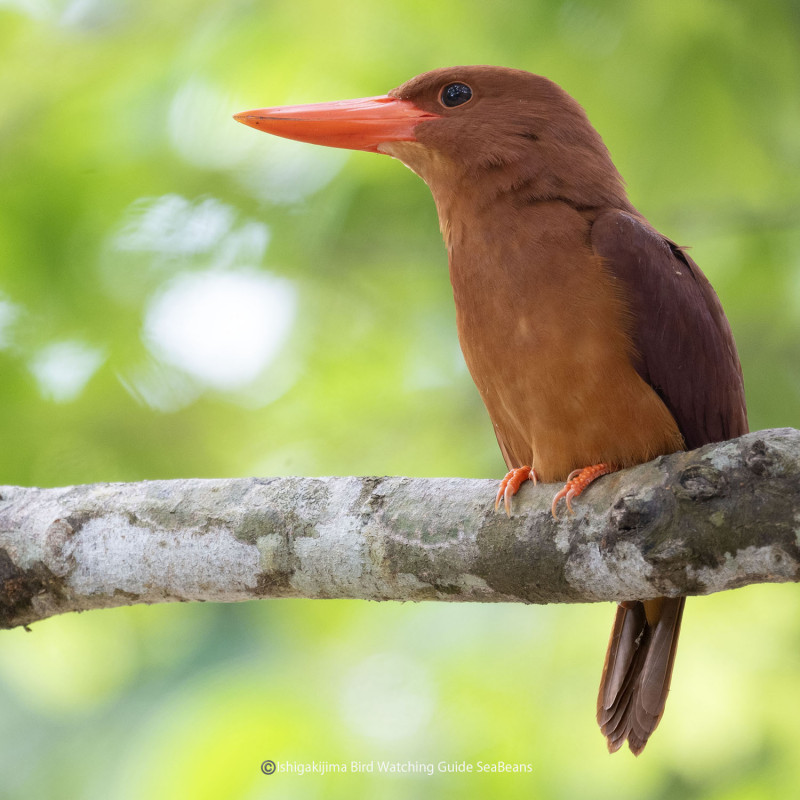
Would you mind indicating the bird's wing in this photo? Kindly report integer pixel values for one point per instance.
(684, 346)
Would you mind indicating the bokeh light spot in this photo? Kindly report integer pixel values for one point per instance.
(63, 369)
(388, 696)
(8, 315)
(223, 328)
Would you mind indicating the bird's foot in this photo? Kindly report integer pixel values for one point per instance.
(509, 486)
(577, 481)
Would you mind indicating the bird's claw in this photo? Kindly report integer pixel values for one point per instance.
(509, 486)
(577, 481)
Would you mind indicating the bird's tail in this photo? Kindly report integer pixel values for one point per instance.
(638, 669)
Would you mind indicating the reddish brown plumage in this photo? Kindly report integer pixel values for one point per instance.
(592, 339)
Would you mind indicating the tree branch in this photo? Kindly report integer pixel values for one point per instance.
(716, 518)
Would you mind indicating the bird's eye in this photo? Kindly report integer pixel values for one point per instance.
(455, 94)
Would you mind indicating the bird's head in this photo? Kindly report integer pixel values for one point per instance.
(504, 130)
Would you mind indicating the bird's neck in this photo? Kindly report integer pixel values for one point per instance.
(518, 207)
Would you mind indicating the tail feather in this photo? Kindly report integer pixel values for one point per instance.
(637, 671)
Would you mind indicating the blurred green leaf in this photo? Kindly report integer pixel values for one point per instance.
(115, 111)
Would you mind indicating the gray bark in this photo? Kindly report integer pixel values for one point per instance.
(716, 518)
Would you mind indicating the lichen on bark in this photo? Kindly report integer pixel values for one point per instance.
(712, 519)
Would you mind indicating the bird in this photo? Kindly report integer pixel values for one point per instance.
(595, 342)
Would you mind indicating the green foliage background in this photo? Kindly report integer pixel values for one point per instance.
(112, 107)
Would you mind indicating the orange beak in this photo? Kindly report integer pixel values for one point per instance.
(360, 124)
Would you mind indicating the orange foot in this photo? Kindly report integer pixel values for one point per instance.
(577, 481)
(509, 486)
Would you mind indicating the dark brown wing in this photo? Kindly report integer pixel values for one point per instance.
(685, 349)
